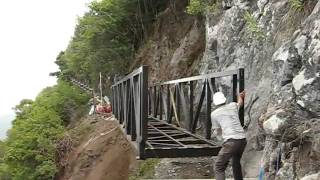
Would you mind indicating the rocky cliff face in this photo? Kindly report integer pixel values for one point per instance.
(281, 60)
(175, 45)
(278, 44)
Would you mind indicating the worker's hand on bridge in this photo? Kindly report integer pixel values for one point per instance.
(242, 94)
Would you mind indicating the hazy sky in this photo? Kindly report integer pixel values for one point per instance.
(32, 33)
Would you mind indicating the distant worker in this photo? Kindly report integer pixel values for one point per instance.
(226, 123)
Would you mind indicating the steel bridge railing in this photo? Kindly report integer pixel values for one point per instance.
(82, 86)
(167, 100)
(147, 112)
(130, 105)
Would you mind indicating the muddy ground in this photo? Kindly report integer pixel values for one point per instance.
(103, 154)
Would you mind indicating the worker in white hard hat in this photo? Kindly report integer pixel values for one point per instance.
(226, 123)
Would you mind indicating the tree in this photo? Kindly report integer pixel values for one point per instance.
(30, 149)
(23, 107)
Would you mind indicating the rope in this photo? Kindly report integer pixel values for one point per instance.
(99, 136)
(279, 158)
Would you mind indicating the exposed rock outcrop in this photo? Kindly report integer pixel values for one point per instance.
(283, 69)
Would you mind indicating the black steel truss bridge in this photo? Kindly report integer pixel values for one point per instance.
(172, 119)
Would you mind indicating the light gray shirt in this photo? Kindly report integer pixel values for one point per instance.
(226, 117)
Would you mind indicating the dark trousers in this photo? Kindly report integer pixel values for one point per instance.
(232, 148)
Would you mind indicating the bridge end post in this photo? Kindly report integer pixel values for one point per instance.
(144, 112)
(208, 109)
(160, 102)
(190, 105)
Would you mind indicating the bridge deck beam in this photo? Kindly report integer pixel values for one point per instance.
(168, 141)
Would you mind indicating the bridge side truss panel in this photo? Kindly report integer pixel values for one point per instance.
(151, 115)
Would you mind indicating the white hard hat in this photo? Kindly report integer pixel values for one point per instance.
(219, 98)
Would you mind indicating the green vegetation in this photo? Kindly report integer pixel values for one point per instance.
(198, 7)
(30, 149)
(297, 4)
(195, 7)
(145, 170)
(106, 39)
(4, 175)
(252, 26)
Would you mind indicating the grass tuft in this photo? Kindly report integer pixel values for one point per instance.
(146, 169)
(297, 5)
(252, 25)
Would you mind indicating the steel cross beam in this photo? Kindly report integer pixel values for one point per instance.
(167, 140)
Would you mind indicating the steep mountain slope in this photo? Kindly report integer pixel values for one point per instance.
(175, 45)
(97, 149)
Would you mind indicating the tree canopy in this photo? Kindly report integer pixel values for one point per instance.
(30, 149)
(106, 39)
